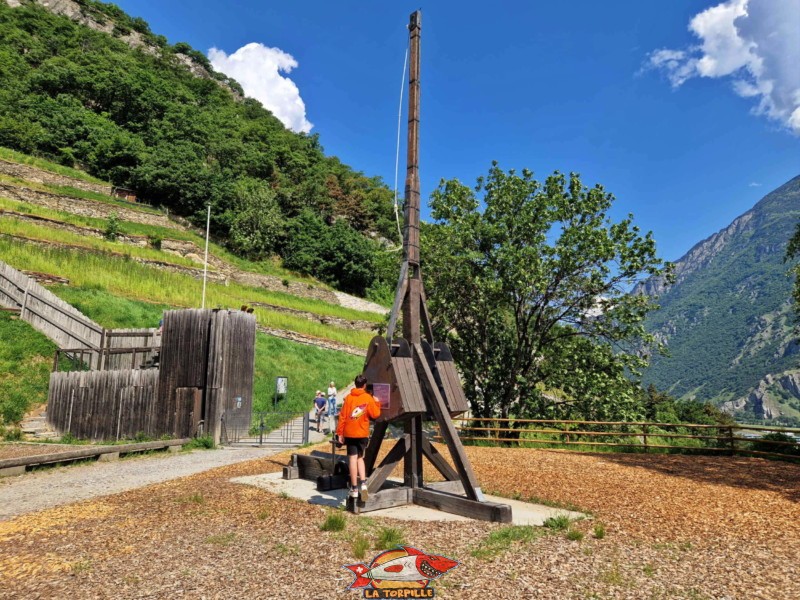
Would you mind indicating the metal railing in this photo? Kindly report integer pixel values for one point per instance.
(84, 359)
(268, 427)
(632, 436)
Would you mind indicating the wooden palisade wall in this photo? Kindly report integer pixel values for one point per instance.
(104, 405)
(207, 363)
(206, 367)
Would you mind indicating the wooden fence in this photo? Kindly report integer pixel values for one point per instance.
(104, 405)
(46, 312)
(119, 352)
(206, 369)
(129, 348)
(87, 344)
(629, 436)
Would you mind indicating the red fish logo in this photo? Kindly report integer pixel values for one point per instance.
(401, 567)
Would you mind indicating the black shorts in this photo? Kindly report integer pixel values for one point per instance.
(356, 446)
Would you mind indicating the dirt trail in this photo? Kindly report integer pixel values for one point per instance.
(46, 489)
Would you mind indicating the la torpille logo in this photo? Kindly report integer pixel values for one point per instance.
(403, 572)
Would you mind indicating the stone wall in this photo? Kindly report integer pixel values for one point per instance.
(37, 175)
(79, 206)
(312, 341)
(352, 324)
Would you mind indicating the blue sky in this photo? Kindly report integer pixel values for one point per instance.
(682, 109)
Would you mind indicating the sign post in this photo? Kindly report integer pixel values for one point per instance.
(281, 385)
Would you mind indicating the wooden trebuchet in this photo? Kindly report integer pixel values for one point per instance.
(415, 379)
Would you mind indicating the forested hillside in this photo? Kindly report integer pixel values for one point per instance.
(129, 107)
(728, 320)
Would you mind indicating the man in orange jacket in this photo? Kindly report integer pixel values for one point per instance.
(353, 431)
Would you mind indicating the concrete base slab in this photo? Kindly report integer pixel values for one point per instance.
(108, 457)
(522, 513)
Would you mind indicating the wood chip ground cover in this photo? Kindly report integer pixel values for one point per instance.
(675, 527)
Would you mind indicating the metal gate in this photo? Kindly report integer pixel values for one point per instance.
(277, 429)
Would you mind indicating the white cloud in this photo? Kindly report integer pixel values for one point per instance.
(258, 69)
(754, 184)
(755, 42)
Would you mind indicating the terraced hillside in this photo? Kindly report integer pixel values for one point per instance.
(123, 263)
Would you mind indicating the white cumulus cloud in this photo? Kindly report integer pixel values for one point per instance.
(754, 42)
(258, 69)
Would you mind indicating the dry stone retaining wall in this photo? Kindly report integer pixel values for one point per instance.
(355, 325)
(312, 341)
(37, 175)
(79, 206)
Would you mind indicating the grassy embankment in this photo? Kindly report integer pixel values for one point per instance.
(40, 232)
(46, 165)
(26, 357)
(128, 279)
(263, 267)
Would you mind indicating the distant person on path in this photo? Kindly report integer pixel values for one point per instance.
(353, 431)
(331, 399)
(319, 408)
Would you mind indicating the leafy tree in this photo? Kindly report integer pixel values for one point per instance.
(793, 252)
(660, 407)
(529, 284)
(256, 222)
(333, 254)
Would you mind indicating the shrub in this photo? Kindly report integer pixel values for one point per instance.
(360, 546)
(335, 521)
(599, 531)
(765, 445)
(112, 227)
(389, 537)
(68, 438)
(500, 540)
(205, 442)
(13, 434)
(557, 523)
(574, 535)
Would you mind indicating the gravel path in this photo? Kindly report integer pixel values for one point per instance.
(64, 485)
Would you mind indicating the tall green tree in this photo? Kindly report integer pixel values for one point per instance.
(255, 220)
(529, 284)
(793, 253)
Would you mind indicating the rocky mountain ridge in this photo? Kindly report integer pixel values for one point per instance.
(728, 321)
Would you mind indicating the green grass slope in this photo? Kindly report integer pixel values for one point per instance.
(26, 357)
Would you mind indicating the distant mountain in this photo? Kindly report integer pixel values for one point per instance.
(728, 321)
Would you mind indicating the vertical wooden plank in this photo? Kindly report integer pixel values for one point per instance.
(439, 408)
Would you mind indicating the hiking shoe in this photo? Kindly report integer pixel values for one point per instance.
(364, 492)
(353, 492)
